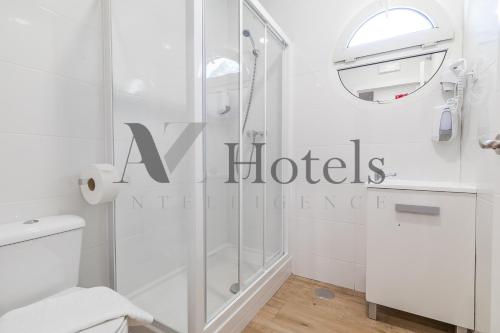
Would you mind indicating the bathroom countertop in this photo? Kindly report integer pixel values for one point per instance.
(425, 186)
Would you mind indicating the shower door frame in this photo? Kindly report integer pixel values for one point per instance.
(197, 94)
(195, 54)
(195, 85)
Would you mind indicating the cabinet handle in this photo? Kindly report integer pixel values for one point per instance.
(422, 210)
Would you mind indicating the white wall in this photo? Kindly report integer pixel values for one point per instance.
(328, 243)
(482, 121)
(52, 119)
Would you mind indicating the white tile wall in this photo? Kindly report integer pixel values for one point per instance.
(52, 117)
(329, 244)
(482, 121)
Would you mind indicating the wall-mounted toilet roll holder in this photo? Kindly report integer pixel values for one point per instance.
(90, 183)
(98, 184)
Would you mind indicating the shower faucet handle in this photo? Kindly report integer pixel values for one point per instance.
(491, 144)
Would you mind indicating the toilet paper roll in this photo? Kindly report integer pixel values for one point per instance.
(97, 183)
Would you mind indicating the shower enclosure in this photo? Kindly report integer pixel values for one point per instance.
(190, 244)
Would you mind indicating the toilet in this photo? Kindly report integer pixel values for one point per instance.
(40, 259)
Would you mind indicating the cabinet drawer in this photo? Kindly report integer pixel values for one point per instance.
(421, 253)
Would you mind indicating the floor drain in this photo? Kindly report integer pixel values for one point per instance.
(235, 288)
(323, 293)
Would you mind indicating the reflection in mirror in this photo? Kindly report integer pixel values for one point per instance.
(388, 81)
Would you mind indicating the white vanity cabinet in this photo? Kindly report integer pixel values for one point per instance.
(421, 250)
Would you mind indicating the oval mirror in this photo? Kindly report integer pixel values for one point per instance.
(388, 81)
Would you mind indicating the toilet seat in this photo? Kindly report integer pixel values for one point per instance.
(118, 325)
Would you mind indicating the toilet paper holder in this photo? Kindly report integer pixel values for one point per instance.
(90, 182)
(98, 183)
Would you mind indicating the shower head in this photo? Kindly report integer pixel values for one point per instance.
(247, 34)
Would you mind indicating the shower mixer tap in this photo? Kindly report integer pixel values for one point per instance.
(253, 134)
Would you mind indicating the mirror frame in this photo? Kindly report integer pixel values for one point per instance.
(389, 60)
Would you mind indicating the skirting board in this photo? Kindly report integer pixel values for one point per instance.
(239, 314)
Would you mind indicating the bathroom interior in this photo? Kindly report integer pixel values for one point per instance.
(249, 166)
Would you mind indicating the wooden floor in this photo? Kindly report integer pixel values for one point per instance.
(294, 308)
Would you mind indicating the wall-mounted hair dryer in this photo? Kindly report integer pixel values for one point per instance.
(448, 117)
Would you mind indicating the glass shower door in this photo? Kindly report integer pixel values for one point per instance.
(253, 129)
(151, 217)
(243, 106)
(222, 118)
(273, 228)
(243, 96)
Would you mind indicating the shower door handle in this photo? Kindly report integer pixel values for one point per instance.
(491, 144)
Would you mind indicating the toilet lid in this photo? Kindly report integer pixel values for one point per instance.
(118, 325)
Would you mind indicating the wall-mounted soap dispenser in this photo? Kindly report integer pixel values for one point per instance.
(446, 123)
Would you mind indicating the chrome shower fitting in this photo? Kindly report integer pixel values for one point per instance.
(247, 34)
(253, 134)
(255, 52)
